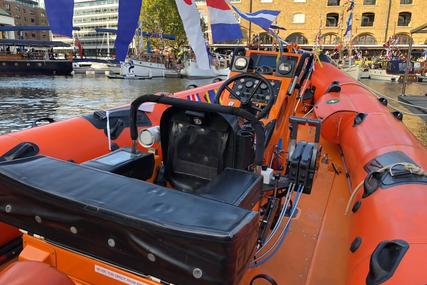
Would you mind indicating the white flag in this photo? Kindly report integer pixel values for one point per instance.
(191, 19)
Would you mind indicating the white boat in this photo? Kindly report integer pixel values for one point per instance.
(152, 66)
(381, 74)
(364, 73)
(354, 71)
(191, 70)
(422, 77)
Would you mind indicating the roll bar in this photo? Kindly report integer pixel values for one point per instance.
(202, 107)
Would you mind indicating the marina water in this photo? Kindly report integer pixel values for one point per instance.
(26, 99)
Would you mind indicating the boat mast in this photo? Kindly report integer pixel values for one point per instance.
(250, 24)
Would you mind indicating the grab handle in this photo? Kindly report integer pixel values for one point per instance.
(295, 121)
(385, 259)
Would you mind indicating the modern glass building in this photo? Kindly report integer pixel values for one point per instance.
(90, 15)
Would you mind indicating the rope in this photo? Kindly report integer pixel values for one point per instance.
(412, 168)
(379, 95)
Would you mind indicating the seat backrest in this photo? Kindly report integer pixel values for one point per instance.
(196, 146)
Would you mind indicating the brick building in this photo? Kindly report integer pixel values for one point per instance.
(27, 13)
(374, 21)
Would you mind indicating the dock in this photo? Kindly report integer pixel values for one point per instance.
(419, 104)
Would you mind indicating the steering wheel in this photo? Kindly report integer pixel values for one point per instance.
(244, 98)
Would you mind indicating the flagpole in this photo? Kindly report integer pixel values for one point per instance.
(250, 25)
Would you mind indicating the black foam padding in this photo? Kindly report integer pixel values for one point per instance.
(121, 220)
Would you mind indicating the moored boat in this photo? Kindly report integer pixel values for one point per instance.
(32, 57)
(149, 66)
(293, 175)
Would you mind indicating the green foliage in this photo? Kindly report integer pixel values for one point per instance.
(161, 16)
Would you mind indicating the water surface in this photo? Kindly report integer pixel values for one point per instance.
(25, 99)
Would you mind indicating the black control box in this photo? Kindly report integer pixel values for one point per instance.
(124, 162)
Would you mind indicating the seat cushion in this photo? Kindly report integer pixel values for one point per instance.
(34, 273)
(234, 186)
(121, 220)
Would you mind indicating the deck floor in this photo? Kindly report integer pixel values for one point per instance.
(317, 246)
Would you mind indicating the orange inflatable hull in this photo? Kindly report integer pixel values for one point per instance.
(396, 212)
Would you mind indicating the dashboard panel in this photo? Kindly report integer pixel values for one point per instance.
(244, 88)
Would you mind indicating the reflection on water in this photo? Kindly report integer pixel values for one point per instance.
(25, 99)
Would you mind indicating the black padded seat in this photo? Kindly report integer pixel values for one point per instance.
(234, 186)
(196, 147)
(122, 220)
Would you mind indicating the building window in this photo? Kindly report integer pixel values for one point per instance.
(369, 2)
(333, 2)
(405, 2)
(403, 39)
(330, 39)
(332, 19)
(298, 18)
(265, 38)
(299, 1)
(368, 19)
(404, 19)
(297, 38)
(365, 39)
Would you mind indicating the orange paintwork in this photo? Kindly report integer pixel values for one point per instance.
(316, 250)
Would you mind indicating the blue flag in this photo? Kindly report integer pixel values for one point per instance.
(262, 18)
(129, 11)
(60, 16)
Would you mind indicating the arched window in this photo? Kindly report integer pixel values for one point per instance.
(297, 38)
(403, 39)
(404, 19)
(365, 39)
(368, 19)
(330, 39)
(332, 19)
(298, 18)
(333, 2)
(369, 2)
(405, 2)
(265, 38)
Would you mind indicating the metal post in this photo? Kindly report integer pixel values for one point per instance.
(387, 21)
(250, 25)
(408, 62)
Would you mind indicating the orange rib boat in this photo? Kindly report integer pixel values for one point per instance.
(288, 172)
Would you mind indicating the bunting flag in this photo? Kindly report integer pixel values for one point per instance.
(224, 24)
(129, 11)
(347, 34)
(60, 16)
(262, 18)
(194, 97)
(210, 96)
(191, 20)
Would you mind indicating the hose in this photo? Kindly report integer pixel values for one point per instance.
(278, 243)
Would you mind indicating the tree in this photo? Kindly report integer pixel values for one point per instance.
(161, 16)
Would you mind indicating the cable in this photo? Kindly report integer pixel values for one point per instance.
(281, 216)
(278, 243)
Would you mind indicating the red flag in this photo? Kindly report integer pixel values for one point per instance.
(79, 46)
